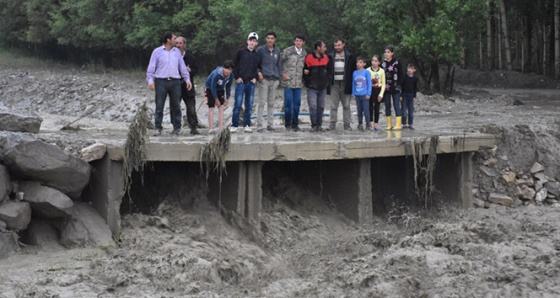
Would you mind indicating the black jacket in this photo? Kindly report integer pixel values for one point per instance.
(349, 67)
(190, 61)
(247, 64)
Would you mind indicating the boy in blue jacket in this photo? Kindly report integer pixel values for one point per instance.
(361, 91)
(217, 91)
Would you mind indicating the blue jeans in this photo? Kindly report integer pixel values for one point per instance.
(164, 87)
(292, 102)
(363, 109)
(316, 103)
(408, 108)
(247, 89)
(396, 102)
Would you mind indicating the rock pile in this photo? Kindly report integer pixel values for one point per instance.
(40, 197)
(499, 183)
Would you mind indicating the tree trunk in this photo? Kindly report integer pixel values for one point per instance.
(556, 27)
(480, 50)
(499, 47)
(505, 33)
(489, 39)
(435, 77)
(526, 44)
(546, 45)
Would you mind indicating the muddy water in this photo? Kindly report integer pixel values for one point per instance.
(304, 249)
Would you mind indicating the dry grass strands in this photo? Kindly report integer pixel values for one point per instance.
(213, 158)
(135, 147)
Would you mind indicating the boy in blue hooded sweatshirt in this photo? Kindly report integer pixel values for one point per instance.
(217, 85)
(361, 91)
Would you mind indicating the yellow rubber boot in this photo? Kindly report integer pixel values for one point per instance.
(398, 125)
(389, 123)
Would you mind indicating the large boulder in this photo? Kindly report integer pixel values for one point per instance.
(5, 184)
(8, 244)
(16, 215)
(86, 228)
(42, 233)
(553, 188)
(19, 121)
(34, 159)
(45, 201)
(93, 152)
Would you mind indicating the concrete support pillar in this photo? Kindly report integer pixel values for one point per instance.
(347, 184)
(106, 190)
(466, 178)
(241, 189)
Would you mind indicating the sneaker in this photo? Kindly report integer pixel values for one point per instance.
(296, 128)
(175, 131)
(248, 129)
(375, 129)
(410, 126)
(360, 127)
(332, 126)
(194, 131)
(320, 129)
(405, 126)
(158, 132)
(347, 127)
(270, 128)
(233, 129)
(259, 128)
(211, 132)
(314, 129)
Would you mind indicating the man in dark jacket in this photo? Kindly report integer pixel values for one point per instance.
(343, 64)
(316, 77)
(247, 63)
(188, 95)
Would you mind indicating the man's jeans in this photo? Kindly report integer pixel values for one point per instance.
(316, 103)
(292, 102)
(337, 96)
(164, 87)
(396, 102)
(408, 108)
(267, 93)
(247, 90)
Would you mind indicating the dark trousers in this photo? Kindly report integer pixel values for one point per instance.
(374, 105)
(189, 99)
(173, 89)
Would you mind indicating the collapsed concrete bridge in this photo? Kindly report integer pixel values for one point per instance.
(356, 173)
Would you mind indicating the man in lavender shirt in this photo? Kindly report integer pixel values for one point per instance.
(164, 75)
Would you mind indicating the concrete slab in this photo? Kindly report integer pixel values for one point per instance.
(303, 146)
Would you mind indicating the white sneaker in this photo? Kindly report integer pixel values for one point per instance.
(232, 129)
(248, 129)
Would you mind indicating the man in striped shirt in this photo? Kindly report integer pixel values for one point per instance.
(342, 67)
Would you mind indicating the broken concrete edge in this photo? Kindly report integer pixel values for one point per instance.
(308, 150)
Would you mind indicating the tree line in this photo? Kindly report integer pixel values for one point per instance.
(436, 35)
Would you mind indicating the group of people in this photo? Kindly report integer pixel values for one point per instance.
(339, 73)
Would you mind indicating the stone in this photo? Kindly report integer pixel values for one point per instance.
(5, 184)
(541, 195)
(42, 233)
(541, 177)
(526, 181)
(539, 185)
(45, 201)
(553, 188)
(86, 228)
(16, 215)
(36, 160)
(527, 193)
(8, 244)
(503, 157)
(19, 121)
(488, 171)
(93, 152)
(490, 162)
(479, 203)
(3, 226)
(509, 177)
(555, 205)
(501, 199)
(536, 168)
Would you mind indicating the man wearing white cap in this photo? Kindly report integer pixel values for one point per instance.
(247, 63)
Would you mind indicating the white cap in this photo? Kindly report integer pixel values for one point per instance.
(253, 35)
